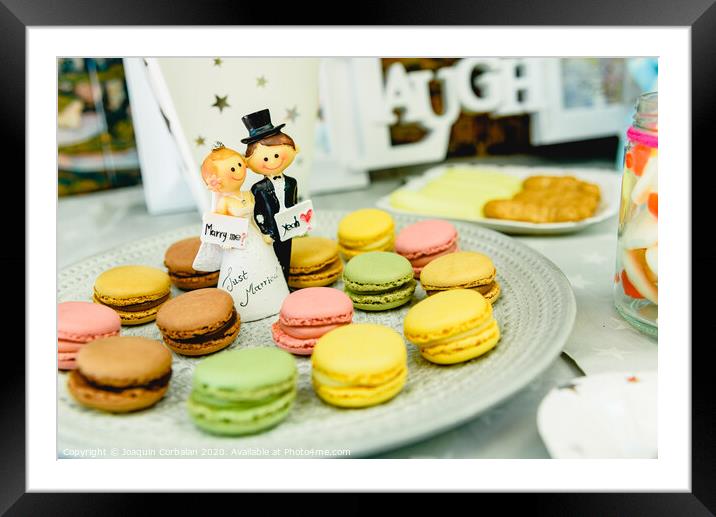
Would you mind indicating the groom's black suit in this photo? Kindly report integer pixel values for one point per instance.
(267, 205)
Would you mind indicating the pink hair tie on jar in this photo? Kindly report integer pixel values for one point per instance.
(649, 140)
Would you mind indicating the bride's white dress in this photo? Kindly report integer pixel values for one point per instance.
(253, 275)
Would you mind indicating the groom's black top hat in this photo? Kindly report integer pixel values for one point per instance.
(259, 126)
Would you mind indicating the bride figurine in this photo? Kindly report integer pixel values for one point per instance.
(252, 275)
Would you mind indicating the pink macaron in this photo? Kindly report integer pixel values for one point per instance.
(423, 242)
(79, 323)
(307, 314)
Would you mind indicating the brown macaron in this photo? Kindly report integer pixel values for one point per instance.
(199, 322)
(120, 374)
(179, 259)
(461, 270)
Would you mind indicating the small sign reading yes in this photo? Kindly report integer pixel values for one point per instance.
(224, 230)
(296, 221)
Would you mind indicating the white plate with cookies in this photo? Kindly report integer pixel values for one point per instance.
(459, 192)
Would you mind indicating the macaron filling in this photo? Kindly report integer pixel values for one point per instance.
(482, 289)
(72, 346)
(196, 274)
(487, 327)
(349, 394)
(136, 307)
(155, 384)
(376, 245)
(301, 339)
(379, 297)
(223, 331)
(67, 337)
(425, 259)
(66, 361)
(324, 276)
(239, 417)
(368, 288)
(328, 268)
(335, 381)
(310, 331)
(464, 348)
(208, 400)
(220, 395)
(303, 346)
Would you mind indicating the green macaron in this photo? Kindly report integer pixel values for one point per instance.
(379, 280)
(243, 391)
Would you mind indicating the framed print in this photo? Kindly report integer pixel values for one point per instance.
(305, 383)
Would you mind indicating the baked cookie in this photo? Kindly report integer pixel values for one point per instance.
(548, 199)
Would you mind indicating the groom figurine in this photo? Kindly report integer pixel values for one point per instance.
(269, 152)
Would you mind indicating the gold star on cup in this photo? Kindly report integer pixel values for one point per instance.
(221, 103)
(261, 82)
(217, 61)
(292, 114)
(199, 140)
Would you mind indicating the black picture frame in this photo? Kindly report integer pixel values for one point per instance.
(699, 15)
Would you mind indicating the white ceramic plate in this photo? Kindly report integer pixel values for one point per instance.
(609, 182)
(536, 312)
(610, 415)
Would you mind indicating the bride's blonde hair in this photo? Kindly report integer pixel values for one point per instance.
(218, 153)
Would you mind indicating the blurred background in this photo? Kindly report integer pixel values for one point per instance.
(132, 132)
(96, 145)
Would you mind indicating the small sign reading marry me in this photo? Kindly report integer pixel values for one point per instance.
(224, 230)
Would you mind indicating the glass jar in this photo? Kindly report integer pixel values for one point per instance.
(636, 282)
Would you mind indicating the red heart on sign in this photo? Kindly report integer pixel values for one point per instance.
(306, 216)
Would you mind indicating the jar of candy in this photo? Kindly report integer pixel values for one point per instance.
(636, 282)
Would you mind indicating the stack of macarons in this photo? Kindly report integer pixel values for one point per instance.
(79, 323)
(314, 262)
(199, 322)
(121, 374)
(379, 280)
(452, 326)
(179, 259)
(364, 230)
(359, 365)
(461, 270)
(424, 241)
(308, 314)
(134, 292)
(243, 391)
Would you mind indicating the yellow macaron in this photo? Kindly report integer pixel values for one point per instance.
(359, 365)
(367, 229)
(461, 270)
(314, 262)
(452, 326)
(135, 292)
